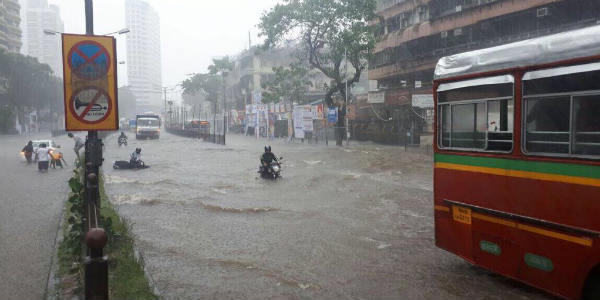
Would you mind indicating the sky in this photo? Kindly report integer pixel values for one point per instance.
(192, 31)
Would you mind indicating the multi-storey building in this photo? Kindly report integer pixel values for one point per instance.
(37, 16)
(253, 68)
(143, 55)
(414, 34)
(10, 33)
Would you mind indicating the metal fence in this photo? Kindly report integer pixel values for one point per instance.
(198, 133)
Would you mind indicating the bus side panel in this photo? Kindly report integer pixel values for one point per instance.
(562, 203)
(550, 201)
(456, 235)
(561, 263)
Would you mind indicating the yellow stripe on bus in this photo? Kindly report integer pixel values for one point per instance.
(521, 174)
(556, 235)
(493, 220)
(442, 208)
(578, 240)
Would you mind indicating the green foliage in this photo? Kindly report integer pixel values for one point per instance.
(220, 66)
(28, 82)
(210, 85)
(127, 279)
(289, 84)
(7, 119)
(75, 229)
(327, 29)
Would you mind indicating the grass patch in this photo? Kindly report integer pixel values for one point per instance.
(127, 279)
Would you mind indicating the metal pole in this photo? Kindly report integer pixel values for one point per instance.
(215, 123)
(225, 125)
(346, 92)
(165, 91)
(96, 264)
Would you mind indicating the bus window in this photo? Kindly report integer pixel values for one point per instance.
(445, 125)
(468, 126)
(562, 106)
(477, 115)
(548, 125)
(500, 120)
(587, 125)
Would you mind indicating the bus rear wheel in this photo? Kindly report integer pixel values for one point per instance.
(591, 290)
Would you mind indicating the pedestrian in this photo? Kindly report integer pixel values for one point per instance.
(57, 158)
(42, 156)
(78, 143)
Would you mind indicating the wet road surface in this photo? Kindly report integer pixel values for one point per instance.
(351, 223)
(30, 209)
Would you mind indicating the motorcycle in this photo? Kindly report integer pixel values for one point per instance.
(27, 156)
(272, 171)
(125, 165)
(122, 141)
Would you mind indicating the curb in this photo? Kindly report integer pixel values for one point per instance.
(50, 292)
(139, 256)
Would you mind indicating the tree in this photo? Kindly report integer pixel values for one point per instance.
(221, 66)
(288, 84)
(208, 84)
(28, 84)
(329, 30)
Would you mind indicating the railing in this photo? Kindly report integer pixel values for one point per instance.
(95, 262)
(199, 134)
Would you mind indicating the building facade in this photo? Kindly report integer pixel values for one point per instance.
(10, 32)
(38, 16)
(144, 55)
(414, 34)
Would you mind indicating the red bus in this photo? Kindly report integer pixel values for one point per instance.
(517, 160)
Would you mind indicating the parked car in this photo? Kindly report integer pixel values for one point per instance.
(49, 144)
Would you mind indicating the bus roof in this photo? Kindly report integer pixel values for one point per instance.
(153, 116)
(578, 43)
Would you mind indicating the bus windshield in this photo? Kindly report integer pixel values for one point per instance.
(147, 122)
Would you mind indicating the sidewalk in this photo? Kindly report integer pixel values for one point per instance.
(30, 209)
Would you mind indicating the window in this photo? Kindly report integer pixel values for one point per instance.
(561, 112)
(477, 114)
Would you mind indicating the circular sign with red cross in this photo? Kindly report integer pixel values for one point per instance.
(89, 60)
(90, 105)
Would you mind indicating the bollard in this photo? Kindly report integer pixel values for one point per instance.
(96, 265)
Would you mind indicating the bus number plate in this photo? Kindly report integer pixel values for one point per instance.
(461, 214)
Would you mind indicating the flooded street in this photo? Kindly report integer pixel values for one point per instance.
(351, 223)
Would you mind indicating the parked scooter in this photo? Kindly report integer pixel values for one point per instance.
(124, 164)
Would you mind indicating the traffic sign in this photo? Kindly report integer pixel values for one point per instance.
(90, 105)
(89, 60)
(90, 82)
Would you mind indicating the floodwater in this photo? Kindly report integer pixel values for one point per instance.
(353, 223)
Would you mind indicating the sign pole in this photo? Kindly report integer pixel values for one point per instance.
(96, 264)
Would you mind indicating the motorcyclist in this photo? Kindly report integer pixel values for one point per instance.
(28, 151)
(122, 140)
(268, 157)
(135, 157)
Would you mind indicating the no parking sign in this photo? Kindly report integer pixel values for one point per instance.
(90, 82)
